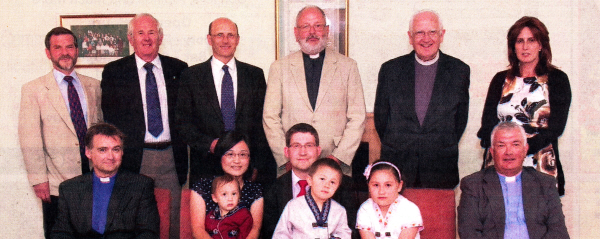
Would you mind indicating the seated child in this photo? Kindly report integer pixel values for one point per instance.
(316, 215)
(228, 220)
(387, 214)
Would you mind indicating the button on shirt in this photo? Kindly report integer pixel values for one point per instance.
(218, 73)
(64, 90)
(165, 136)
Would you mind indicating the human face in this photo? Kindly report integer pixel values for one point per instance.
(311, 31)
(527, 48)
(324, 183)
(302, 152)
(426, 36)
(509, 151)
(145, 38)
(227, 196)
(224, 39)
(384, 188)
(234, 162)
(105, 155)
(63, 53)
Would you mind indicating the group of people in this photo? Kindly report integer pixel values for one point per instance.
(293, 138)
(95, 44)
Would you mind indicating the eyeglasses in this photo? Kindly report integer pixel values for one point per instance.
(222, 36)
(421, 34)
(317, 27)
(306, 146)
(242, 155)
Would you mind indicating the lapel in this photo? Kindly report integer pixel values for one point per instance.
(118, 199)
(531, 194)
(57, 101)
(493, 191)
(438, 99)
(407, 86)
(131, 83)
(243, 89)
(86, 198)
(327, 74)
(287, 193)
(90, 97)
(207, 82)
(299, 78)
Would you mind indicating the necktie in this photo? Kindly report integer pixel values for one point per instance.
(155, 126)
(227, 101)
(302, 184)
(78, 122)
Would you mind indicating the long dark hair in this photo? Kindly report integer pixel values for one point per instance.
(540, 33)
(225, 143)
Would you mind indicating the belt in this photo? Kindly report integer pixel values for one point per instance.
(158, 145)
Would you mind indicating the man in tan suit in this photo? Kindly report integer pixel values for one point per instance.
(55, 112)
(316, 86)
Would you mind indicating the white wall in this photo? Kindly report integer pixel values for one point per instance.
(475, 32)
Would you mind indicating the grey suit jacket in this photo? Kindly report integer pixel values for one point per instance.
(481, 211)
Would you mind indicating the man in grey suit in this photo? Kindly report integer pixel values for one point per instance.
(55, 112)
(106, 203)
(509, 200)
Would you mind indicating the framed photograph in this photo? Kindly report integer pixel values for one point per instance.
(100, 38)
(336, 12)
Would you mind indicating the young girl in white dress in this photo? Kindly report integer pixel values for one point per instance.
(387, 214)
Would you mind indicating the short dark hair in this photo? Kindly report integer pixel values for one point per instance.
(102, 129)
(222, 180)
(325, 162)
(57, 31)
(225, 143)
(385, 165)
(541, 34)
(301, 128)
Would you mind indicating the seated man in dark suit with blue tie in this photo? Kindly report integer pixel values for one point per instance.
(106, 203)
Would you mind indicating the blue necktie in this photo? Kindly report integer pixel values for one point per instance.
(227, 101)
(155, 126)
(78, 121)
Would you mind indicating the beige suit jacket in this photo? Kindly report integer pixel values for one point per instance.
(46, 133)
(339, 114)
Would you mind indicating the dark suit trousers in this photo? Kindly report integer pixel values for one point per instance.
(50, 211)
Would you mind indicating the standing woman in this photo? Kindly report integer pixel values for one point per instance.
(533, 93)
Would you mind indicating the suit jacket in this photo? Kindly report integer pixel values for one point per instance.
(339, 114)
(281, 193)
(198, 117)
(131, 213)
(122, 106)
(426, 154)
(46, 132)
(481, 210)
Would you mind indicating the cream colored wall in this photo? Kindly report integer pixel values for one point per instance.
(476, 32)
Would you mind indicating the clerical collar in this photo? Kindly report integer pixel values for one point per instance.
(511, 179)
(430, 62)
(315, 56)
(105, 180)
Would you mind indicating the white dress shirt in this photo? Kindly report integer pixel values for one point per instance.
(162, 95)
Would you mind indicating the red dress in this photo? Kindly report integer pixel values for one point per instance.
(236, 224)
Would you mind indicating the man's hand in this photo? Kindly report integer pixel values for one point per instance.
(213, 144)
(334, 158)
(42, 191)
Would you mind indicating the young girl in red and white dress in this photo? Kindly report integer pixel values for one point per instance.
(387, 214)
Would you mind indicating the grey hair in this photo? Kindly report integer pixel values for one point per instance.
(140, 15)
(412, 19)
(309, 7)
(509, 125)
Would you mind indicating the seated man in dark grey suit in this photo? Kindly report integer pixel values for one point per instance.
(302, 149)
(106, 203)
(509, 200)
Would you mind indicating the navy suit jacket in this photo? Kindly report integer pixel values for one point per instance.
(132, 210)
(481, 212)
(122, 106)
(426, 154)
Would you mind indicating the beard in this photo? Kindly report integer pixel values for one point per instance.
(65, 66)
(313, 49)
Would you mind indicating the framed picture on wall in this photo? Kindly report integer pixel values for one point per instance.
(100, 38)
(336, 12)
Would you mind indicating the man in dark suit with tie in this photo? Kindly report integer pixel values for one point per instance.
(219, 95)
(139, 93)
(421, 108)
(106, 203)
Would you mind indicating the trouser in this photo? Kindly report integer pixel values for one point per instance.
(50, 211)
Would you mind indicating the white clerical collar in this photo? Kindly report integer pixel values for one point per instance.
(430, 62)
(511, 179)
(315, 56)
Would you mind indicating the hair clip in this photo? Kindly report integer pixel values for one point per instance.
(369, 167)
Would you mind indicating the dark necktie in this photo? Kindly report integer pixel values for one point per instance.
(155, 126)
(302, 184)
(78, 122)
(227, 101)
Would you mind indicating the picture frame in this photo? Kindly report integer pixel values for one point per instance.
(100, 38)
(336, 12)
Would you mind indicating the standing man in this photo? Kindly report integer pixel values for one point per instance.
(509, 200)
(107, 203)
(219, 95)
(421, 107)
(55, 112)
(138, 96)
(315, 86)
